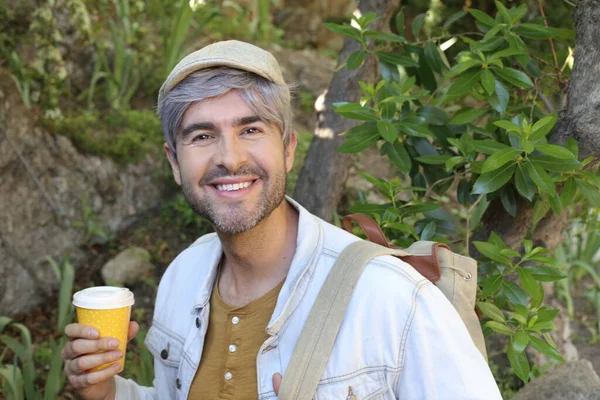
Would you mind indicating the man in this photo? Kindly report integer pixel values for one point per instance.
(231, 307)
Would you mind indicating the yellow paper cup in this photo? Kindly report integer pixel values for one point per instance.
(107, 309)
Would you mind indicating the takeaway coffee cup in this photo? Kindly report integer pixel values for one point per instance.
(107, 309)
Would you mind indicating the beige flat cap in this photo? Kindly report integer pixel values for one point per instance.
(230, 53)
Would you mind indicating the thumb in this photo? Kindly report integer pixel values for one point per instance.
(277, 382)
(134, 327)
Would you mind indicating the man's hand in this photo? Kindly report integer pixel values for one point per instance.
(85, 351)
(277, 382)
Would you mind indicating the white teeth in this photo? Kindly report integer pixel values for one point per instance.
(234, 186)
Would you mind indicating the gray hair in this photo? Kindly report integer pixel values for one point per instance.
(268, 100)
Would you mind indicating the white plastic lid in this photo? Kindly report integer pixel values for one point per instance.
(103, 298)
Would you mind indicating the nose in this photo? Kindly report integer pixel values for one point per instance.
(231, 153)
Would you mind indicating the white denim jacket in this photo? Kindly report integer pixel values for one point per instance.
(400, 339)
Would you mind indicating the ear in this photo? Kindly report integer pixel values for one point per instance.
(290, 151)
(174, 164)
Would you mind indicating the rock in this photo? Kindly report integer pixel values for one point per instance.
(127, 267)
(42, 193)
(575, 380)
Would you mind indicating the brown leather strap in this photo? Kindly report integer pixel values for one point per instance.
(369, 227)
(427, 265)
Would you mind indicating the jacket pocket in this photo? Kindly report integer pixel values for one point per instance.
(361, 385)
(167, 350)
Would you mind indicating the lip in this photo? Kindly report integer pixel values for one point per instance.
(233, 194)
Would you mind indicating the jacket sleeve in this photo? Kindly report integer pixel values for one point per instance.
(129, 390)
(440, 360)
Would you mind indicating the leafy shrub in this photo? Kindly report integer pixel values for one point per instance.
(464, 134)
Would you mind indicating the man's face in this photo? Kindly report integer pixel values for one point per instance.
(231, 165)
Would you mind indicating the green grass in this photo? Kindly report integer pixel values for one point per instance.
(125, 137)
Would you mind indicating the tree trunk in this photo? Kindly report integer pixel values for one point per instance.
(323, 177)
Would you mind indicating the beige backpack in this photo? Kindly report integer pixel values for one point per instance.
(453, 274)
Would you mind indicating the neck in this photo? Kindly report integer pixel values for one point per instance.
(258, 260)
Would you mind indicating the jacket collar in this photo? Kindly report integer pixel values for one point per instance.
(308, 245)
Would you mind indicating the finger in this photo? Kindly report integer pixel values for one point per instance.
(92, 378)
(80, 347)
(84, 363)
(134, 328)
(277, 382)
(79, 331)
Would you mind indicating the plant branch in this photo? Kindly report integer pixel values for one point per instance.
(541, 7)
(468, 234)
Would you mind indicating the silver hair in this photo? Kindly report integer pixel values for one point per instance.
(268, 100)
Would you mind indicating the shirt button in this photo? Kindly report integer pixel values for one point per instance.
(178, 383)
(228, 376)
(235, 320)
(232, 348)
(197, 322)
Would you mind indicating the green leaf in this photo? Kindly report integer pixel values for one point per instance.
(542, 127)
(396, 59)
(411, 129)
(387, 131)
(520, 341)
(555, 164)
(540, 177)
(545, 348)
(428, 231)
(417, 24)
(506, 53)
(555, 151)
(482, 17)
(572, 146)
(432, 56)
(464, 83)
(492, 181)
(462, 67)
(499, 100)
(540, 209)
(383, 36)
(568, 193)
(545, 274)
(491, 311)
(499, 159)
(503, 12)
(487, 81)
(535, 31)
(519, 364)
(453, 18)
(492, 252)
(547, 313)
(467, 115)
(488, 146)
(433, 115)
(509, 202)
(354, 111)
(359, 141)
(400, 22)
(499, 327)
(433, 160)
(491, 285)
(398, 156)
(528, 281)
(515, 77)
(490, 44)
(356, 59)
(515, 294)
(590, 192)
(365, 208)
(508, 125)
(344, 30)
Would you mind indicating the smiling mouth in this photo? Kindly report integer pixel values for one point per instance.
(233, 187)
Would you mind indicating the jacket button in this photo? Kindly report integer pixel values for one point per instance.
(197, 322)
(178, 383)
(164, 354)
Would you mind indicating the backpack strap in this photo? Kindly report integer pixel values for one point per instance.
(423, 256)
(312, 350)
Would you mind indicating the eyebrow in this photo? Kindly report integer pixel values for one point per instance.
(209, 126)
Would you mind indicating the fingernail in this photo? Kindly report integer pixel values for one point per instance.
(93, 333)
(117, 355)
(113, 344)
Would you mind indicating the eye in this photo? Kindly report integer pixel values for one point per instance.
(201, 137)
(251, 131)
